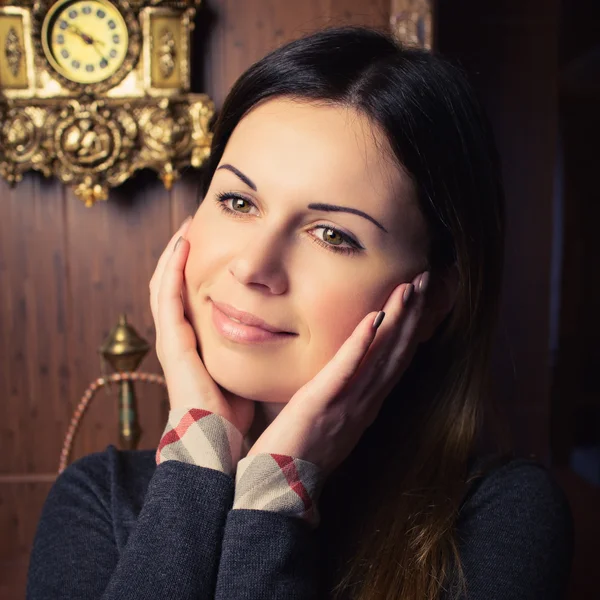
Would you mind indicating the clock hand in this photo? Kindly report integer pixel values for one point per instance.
(88, 39)
(95, 41)
(98, 51)
(76, 30)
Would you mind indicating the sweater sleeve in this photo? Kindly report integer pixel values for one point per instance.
(269, 546)
(172, 551)
(515, 534)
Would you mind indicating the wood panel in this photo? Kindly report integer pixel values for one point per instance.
(113, 251)
(243, 32)
(576, 418)
(510, 52)
(20, 508)
(34, 360)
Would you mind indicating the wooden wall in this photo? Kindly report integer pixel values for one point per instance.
(510, 50)
(66, 272)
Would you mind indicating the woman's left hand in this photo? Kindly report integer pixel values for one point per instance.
(325, 418)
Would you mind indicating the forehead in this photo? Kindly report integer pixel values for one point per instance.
(315, 148)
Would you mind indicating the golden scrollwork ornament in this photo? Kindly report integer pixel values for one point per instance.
(412, 22)
(93, 90)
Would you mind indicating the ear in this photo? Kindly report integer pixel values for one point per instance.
(439, 302)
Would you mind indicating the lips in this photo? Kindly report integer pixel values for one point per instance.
(247, 318)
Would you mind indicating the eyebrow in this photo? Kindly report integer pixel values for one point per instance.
(314, 205)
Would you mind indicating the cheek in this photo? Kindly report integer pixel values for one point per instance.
(333, 317)
(204, 250)
(335, 313)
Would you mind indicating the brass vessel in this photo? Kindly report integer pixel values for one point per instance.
(124, 350)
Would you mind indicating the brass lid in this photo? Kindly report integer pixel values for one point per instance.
(123, 342)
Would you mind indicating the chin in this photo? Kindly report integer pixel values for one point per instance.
(250, 387)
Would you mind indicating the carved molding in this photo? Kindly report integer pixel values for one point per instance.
(166, 53)
(94, 145)
(411, 22)
(13, 51)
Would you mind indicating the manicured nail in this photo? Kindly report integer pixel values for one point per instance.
(177, 243)
(408, 292)
(378, 319)
(424, 281)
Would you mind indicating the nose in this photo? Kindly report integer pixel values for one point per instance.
(261, 261)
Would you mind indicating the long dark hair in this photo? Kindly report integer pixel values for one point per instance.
(388, 512)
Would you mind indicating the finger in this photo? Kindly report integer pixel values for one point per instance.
(168, 251)
(160, 267)
(175, 331)
(386, 359)
(403, 336)
(384, 368)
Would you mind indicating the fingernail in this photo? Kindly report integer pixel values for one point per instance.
(378, 319)
(424, 281)
(408, 292)
(177, 243)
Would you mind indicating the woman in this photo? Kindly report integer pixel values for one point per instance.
(318, 450)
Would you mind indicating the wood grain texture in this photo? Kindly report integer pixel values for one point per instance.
(113, 251)
(20, 509)
(243, 32)
(34, 360)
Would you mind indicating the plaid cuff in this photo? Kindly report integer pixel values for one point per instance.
(200, 437)
(278, 483)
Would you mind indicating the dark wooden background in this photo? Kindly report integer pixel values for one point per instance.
(67, 272)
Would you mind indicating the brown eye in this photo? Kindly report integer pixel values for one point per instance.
(330, 233)
(237, 204)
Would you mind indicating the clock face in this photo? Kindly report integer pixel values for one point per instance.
(85, 40)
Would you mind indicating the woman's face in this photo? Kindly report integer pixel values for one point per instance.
(275, 257)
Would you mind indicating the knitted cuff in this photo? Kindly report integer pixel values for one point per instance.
(279, 483)
(200, 437)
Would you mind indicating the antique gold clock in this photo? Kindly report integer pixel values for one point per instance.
(93, 90)
(85, 41)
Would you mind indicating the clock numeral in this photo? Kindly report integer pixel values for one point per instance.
(86, 10)
(64, 53)
(103, 63)
(100, 13)
(113, 53)
(73, 14)
(63, 24)
(75, 64)
(111, 24)
(89, 68)
(60, 38)
(116, 39)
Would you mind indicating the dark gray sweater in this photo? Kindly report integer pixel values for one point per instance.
(115, 525)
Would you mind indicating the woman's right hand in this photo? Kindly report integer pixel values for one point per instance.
(188, 382)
